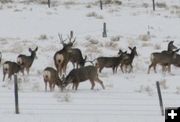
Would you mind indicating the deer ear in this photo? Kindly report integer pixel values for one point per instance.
(36, 49)
(130, 48)
(134, 47)
(85, 57)
(30, 50)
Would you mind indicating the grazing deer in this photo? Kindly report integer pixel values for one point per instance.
(164, 59)
(51, 75)
(10, 68)
(82, 74)
(26, 61)
(128, 61)
(110, 62)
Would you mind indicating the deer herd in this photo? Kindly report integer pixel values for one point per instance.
(80, 72)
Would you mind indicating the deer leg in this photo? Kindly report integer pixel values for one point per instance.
(73, 86)
(50, 86)
(122, 68)
(53, 86)
(155, 68)
(27, 69)
(9, 76)
(92, 84)
(100, 69)
(131, 68)
(4, 75)
(45, 85)
(150, 67)
(77, 84)
(169, 68)
(101, 83)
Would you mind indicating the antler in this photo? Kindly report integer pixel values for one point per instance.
(61, 39)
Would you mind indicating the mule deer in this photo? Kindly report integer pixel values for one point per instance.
(171, 47)
(82, 74)
(50, 76)
(110, 62)
(27, 61)
(62, 57)
(164, 59)
(128, 61)
(10, 68)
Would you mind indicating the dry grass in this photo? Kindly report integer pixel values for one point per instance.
(43, 37)
(161, 5)
(95, 15)
(144, 37)
(116, 2)
(5, 1)
(157, 47)
(115, 38)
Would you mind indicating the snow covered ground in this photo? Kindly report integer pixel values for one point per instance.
(127, 97)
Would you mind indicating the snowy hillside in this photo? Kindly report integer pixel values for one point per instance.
(128, 97)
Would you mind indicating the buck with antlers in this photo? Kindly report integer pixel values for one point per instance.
(10, 68)
(63, 56)
(26, 61)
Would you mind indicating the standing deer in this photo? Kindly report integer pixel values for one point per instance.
(110, 62)
(82, 74)
(50, 76)
(129, 60)
(171, 47)
(164, 59)
(26, 61)
(10, 68)
(76, 57)
(62, 57)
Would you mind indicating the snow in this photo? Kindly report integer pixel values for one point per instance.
(127, 97)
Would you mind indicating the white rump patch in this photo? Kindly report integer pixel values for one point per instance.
(47, 75)
(59, 57)
(6, 66)
(19, 60)
(152, 57)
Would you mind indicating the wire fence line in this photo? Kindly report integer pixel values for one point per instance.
(118, 103)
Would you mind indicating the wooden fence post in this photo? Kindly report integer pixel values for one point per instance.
(101, 5)
(153, 5)
(71, 34)
(49, 3)
(104, 34)
(16, 94)
(160, 98)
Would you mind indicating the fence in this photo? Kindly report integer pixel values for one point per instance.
(86, 102)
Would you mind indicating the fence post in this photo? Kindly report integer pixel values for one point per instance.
(160, 98)
(104, 34)
(16, 94)
(49, 3)
(71, 34)
(153, 5)
(101, 4)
